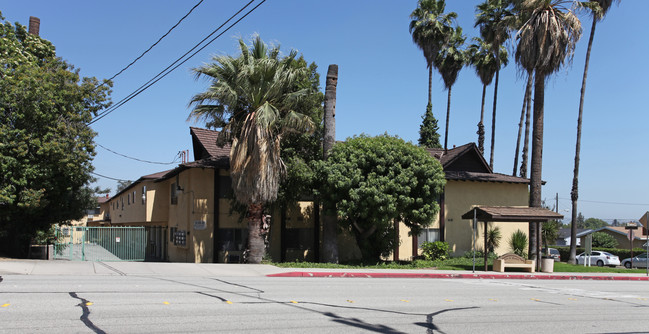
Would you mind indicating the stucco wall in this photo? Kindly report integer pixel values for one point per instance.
(460, 197)
(195, 206)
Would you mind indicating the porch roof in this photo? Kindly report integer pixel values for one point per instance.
(511, 214)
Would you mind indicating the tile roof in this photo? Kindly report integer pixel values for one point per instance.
(204, 142)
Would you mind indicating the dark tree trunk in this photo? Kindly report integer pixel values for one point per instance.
(526, 142)
(448, 114)
(481, 123)
(520, 124)
(256, 244)
(493, 116)
(574, 194)
(537, 160)
(430, 84)
(329, 218)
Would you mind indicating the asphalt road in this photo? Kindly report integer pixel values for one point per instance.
(191, 304)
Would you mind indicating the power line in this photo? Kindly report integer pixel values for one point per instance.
(602, 202)
(166, 71)
(162, 73)
(153, 45)
(141, 160)
(108, 177)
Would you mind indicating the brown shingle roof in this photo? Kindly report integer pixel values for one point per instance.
(204, 142)
(465, 163)
(512, 214)
(484, 177)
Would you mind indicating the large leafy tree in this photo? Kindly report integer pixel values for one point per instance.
(449, 62)
(598, 9)
(545, 41)
(493, 19)
(377, 180)
(431, 30)
(253, 97)
(46, 146)
(483, 61)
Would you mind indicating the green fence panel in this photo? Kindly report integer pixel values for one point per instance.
(80, 243)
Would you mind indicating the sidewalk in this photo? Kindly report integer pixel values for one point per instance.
(74, 268)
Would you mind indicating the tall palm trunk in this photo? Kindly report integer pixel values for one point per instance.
(329, 219)
(256, 244)
(430, 84)
(526, 139)
(448, 114)
(481, 123)
(528, 87)
(574, 194)
(536, 163)
(493, 116)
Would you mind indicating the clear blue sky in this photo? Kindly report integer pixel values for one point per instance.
(382, 84)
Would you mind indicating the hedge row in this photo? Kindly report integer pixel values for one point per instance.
(621, 253)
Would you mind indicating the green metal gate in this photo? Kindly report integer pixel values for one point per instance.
(80, 243)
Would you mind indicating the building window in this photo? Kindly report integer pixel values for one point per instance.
(143, 194)
(174, 194)
(134, 192)
(225, 186)
(128, 199)
(428, 235)
(122, 202)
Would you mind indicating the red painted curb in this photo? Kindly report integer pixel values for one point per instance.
(465, 276)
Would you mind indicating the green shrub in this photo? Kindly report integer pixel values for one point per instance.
(604, 240)
(437, 250)
(518, 243)
(479, 254)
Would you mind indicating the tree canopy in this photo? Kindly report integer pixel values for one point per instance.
(379, 180)
(46, 146)
(591, 223)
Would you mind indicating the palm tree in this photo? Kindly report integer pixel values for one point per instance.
(449, 62)
(492, 18)
(545, 41)
(525, 116)
(431, 29)
(251, 99)
(480, 57)
(598, 11)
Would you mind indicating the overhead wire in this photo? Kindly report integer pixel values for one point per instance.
(603, 202)
(167, 70)
(108, 177)
(153, 45)
(141, 160)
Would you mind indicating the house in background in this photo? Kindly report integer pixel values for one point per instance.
(188, 216)
(621, 235)
(97, 216)
(563, 237)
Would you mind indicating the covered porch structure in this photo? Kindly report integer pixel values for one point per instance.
(509, 214)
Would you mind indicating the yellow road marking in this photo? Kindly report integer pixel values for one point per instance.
(448, 300)
(405, 301)
(228, 302)
(536, 300)
(493, 300)
(294, 302)
(88, 303)
(166, 303)
(350, 301)
(572, 298)
(4, 305)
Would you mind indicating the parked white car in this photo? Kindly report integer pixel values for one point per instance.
(600, 259)
(639, 261)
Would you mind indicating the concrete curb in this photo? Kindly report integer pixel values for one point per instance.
(464, 276)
